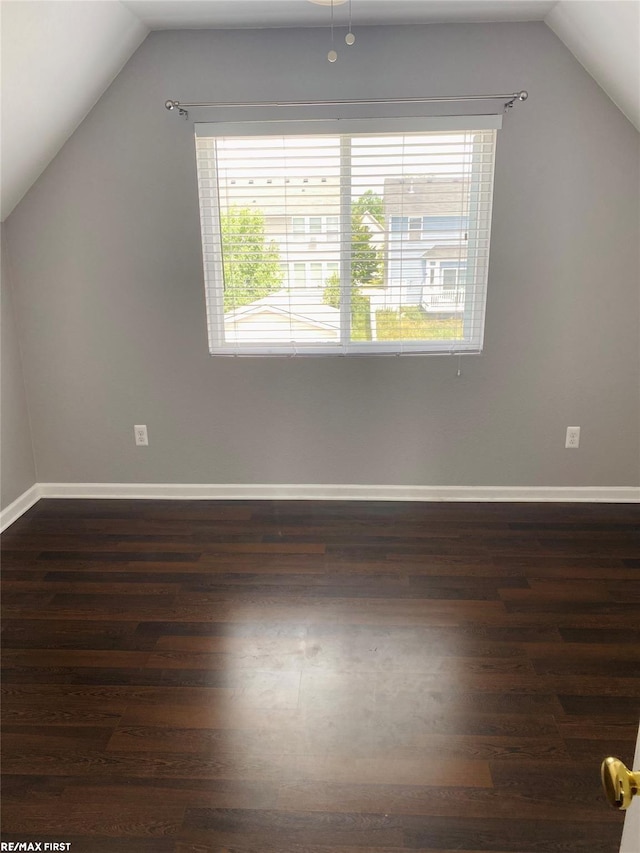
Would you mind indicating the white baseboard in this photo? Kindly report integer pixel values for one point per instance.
(18, 507)
(320, 492)
(250, 491)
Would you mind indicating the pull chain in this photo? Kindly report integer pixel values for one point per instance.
(332, 55)
(350, 38)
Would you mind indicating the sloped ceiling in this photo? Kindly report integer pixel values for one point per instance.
(59, 56)
(57, 60)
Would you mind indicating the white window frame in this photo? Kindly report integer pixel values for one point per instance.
(344, 128)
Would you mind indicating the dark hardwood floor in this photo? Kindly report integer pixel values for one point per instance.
(306, 677)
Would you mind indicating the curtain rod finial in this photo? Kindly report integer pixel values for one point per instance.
(175, 105)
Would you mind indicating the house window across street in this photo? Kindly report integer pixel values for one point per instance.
(449, 278)
(315, 224)
(346, 240)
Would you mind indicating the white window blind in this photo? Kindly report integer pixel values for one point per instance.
(346, 237)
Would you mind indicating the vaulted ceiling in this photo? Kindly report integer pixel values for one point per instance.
(59, 56)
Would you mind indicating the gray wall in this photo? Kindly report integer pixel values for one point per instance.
(108, 274)
(17, 470)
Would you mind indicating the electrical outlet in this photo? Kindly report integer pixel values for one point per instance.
(573, 437)
(140, 432)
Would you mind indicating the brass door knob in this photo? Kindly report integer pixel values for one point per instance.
(620, 784)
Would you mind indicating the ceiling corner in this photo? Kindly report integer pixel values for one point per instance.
(604, 36)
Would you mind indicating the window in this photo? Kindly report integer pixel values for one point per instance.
(382, 206)
(315, 224)
(449, 278)
(415, 224)
(313, 274)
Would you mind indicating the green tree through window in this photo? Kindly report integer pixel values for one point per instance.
(251, 263)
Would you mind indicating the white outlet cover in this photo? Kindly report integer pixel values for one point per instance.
(140, 433)
(572, 440)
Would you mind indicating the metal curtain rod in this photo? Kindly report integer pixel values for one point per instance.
(509, 100)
